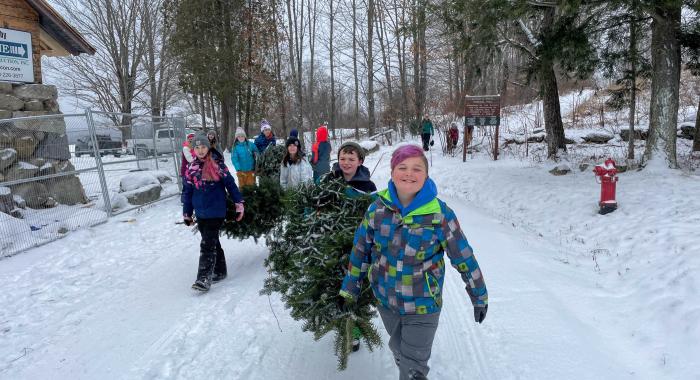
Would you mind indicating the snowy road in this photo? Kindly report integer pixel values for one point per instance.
(114, 302)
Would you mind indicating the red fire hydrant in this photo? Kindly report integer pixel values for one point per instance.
(606, 176)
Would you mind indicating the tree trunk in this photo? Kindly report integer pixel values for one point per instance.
(332, 64)
(354, 70)
(665, 80)
(633, 88)
(313, 118)
(278, 70)
(386, 60)
(696, 139)
(370, 67)
(550, 98)
(203, 110)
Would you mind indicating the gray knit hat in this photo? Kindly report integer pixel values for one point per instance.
(354, 146)
(201, 139)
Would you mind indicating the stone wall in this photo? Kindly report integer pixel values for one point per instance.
(33, 148)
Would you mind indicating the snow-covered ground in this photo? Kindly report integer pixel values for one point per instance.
(573, 294)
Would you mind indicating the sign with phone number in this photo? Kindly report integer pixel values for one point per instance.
(482, 110)
(16, 56)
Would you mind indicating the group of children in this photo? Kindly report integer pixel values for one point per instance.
(399, 246)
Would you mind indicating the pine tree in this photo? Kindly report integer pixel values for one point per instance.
(263, 202)
(309, 253)
(550, 35)
(263, 210)
(268, 163)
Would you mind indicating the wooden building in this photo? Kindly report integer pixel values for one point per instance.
(51, 35)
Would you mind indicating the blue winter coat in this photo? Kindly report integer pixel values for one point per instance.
(207, 199)
(262, 142)
(323, 162)
(243, 156)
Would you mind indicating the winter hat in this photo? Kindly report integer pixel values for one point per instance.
(294, 133)
(265, 125)
(201, 139)
(354, 147)
(407, 151)
(240, 132)
(292, 141)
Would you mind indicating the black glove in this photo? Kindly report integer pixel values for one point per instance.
(480, 313)
(432, 142)
(187, 220)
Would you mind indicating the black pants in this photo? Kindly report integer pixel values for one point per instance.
(211, 255)
(426, 141)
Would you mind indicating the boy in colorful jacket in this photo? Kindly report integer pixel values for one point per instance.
(399, 247)
(204, 194)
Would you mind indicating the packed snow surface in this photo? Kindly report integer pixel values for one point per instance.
(572, 294)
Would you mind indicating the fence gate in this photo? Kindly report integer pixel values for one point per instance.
(60, 173)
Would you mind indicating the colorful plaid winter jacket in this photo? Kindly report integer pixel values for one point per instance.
(401, 251)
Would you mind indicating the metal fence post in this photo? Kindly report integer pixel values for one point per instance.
(98, 161)
(155, 146)
(176, 157)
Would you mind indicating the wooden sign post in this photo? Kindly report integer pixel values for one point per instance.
(482, 111)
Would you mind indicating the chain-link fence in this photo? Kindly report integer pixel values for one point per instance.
(59, 173)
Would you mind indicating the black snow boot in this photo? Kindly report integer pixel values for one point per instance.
(202, 285)
(220, 265)
(416, 375)
(355, 345)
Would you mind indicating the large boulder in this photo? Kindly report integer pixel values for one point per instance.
(8, 156)
(10, 103)
(36, 92)
(34, 105)
(143, 195)
(535, 139)
(51, 105)
(53, 146)
(136, 180)
(34, 193)
(5, 88)
(687, 131)
(7, 203)
(54, 124)
(21, 170)
(561, 169)
(638, 135)
(597, 137)
(25, 144)
(67, 190)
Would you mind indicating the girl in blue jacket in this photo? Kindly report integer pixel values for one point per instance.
(204, 194)
(243, 155)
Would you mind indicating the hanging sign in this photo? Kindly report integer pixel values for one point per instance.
(16, 56)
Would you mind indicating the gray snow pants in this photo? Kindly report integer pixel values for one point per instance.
(411, 341)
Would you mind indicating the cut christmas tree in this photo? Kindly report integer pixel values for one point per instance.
(309, 254)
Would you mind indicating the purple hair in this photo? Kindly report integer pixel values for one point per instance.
(407, 151)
